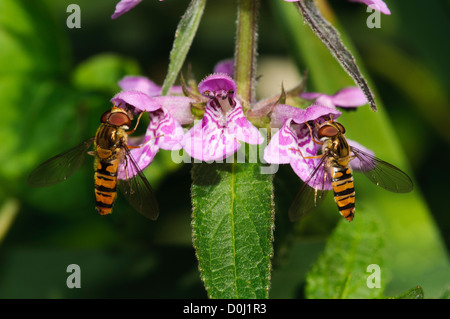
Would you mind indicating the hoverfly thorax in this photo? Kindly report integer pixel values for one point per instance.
(334, 142)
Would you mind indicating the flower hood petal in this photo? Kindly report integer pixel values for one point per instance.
(145, 85)
(140, 101)
(220, 84)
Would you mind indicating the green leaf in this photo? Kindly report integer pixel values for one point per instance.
(233, 228)
(31, 61)
(414, 293)
(184, 35)
(31, 41)
(103, 71)
(342, 270)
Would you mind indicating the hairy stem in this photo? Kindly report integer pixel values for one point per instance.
(245, 52)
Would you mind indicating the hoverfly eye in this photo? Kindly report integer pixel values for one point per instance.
(119, 119)
(327, 131)
(341, 127)
(104, 117)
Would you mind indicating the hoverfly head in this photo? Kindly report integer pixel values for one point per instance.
(330, 129)
(116, 117)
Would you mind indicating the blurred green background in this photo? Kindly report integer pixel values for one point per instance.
(55, 82)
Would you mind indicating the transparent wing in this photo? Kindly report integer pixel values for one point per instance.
(60, 167)
(382, 173)
(308, 198)
(137, 189)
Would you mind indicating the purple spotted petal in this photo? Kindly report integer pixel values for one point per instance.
(283, 146)
(166, 131)
(163, 132)
(281, 113)
(378, 5)
(293, 142)
(124, 6)
(239, 127)
(209, 140)
(142, 155)
(178, 106)
(138, 100)
(302, 166)
(223, 125)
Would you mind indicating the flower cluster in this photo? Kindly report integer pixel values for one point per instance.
(215, 137)
(223, 126)
(213, 114)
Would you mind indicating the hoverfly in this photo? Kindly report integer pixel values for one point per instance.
(333, 166)
(113, 161)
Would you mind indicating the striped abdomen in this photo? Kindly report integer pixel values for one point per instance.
(344, 192)
(105, 184)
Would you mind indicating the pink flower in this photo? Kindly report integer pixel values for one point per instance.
(293, 140)
(166, 113)
(224, 124)
(350, 97)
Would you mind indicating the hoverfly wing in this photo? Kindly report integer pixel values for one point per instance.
(60, 167)
(137, 189)
(308, 198)
(382, 173)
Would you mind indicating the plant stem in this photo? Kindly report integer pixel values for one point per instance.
(245, 52)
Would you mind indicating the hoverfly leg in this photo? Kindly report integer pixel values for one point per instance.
(305, 157)
(312, 136)
(133, 146)
(137, 123)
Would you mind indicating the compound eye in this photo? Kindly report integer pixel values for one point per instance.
(341, 128)
(327, 131)
(104, 117)
(119, 119)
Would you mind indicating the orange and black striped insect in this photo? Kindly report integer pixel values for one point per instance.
(334, 168)
(112, 158)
